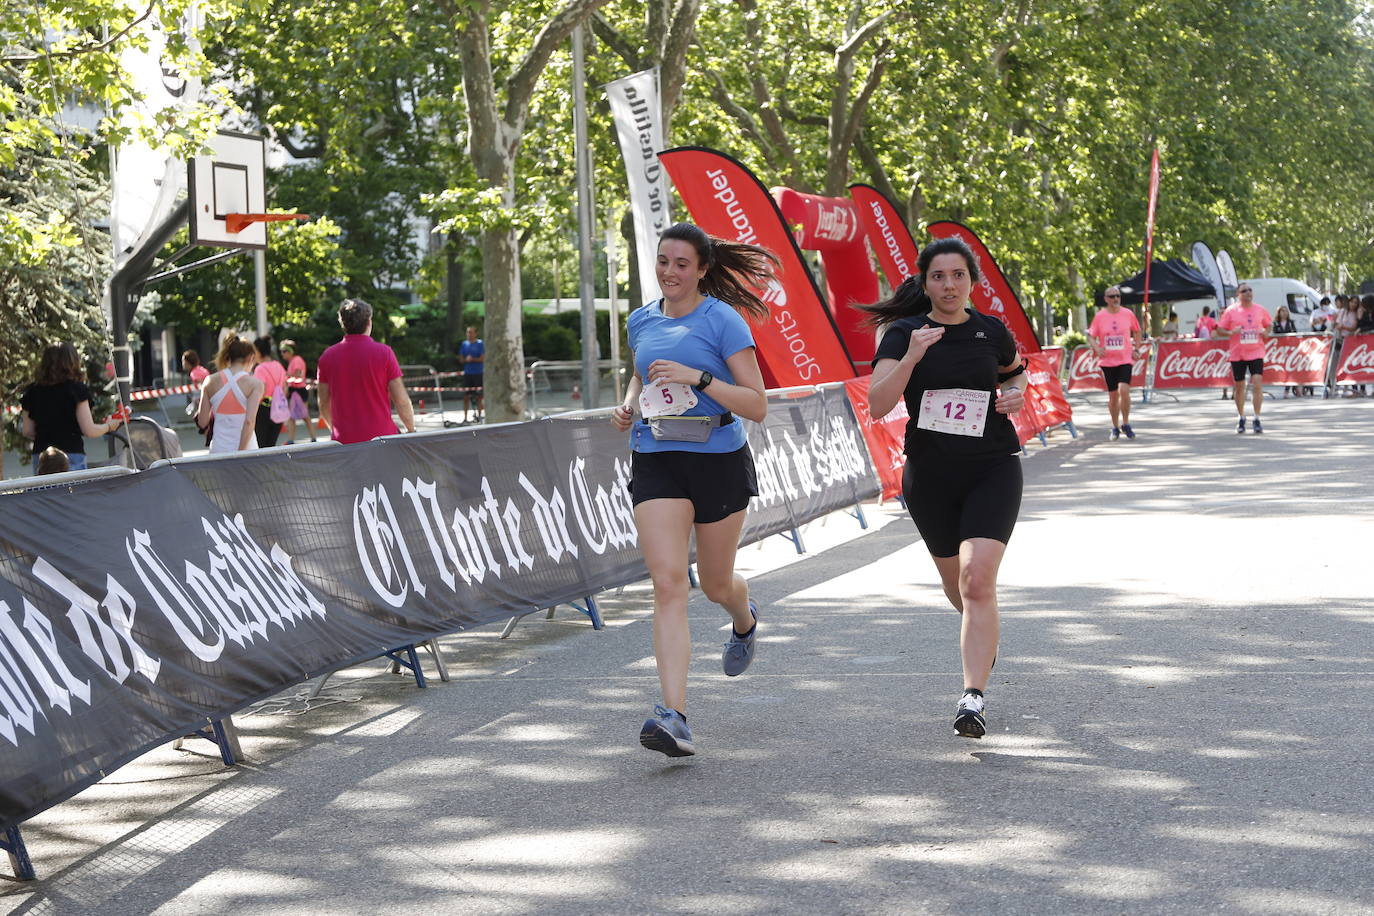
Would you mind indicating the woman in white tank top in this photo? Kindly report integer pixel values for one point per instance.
(226, 397)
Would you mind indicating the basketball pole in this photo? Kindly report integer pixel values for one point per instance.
(260, 288)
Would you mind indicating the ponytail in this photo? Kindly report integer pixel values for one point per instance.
(910, 298)
(733, 269)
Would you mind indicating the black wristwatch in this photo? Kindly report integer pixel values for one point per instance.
(706, 379)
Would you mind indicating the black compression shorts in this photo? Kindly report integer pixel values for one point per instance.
(952, 501)
(1239, 367)
(1116, 376)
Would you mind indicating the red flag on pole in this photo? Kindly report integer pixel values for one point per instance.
(1150, 224)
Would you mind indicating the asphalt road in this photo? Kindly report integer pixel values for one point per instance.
(1178, 723)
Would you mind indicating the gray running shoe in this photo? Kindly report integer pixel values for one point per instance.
(667, 732)
(739, 650)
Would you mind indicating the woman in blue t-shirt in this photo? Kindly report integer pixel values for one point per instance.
(962, 378)
(696, 374)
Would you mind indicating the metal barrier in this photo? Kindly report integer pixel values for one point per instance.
(65, 479)
(559, 384)
(417, 392)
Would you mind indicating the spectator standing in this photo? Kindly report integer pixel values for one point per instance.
(1170, 329)
(298, 401)
(1322, 315)
(57, 407)
(360, 381)
(1114, 335)
(231, 397)
(1283, 322)
(1247, 325)
(1365, 322)
(473, 354)
(1206, 325)
(273, 385)
(190, 364)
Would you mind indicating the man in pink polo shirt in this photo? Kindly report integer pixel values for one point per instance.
(1114, 334)
(360, 381)
(1246, 324)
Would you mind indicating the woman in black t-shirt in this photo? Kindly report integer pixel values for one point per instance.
(962, 482)
(57, 407)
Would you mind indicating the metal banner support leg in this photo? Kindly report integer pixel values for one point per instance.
(222, 734)
(13, 843)
(795, 537)
(858, 512)
(404, 656)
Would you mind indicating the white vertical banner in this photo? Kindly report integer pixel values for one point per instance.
(1228, 270)
(639, 126)
(1207, 264)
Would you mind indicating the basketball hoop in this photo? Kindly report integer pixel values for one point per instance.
(237, 222)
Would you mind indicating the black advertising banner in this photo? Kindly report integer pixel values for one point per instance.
(135, 608)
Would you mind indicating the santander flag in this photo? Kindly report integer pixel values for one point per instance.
(993, 296)
(887, 233)
(799, 343)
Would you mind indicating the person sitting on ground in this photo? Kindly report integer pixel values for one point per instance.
(57, 407)
(53, 460)
(231, 397)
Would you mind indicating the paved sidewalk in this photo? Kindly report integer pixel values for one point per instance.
(1177, 724)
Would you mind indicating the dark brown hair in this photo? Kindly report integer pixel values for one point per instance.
(910, 298)
(233, 349)
(52, 460)
(731, 268)
(354, 316)
(60, 364)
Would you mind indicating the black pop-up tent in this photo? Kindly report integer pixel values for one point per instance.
(1170, 281)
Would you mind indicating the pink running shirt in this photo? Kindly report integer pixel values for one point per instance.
(358, 370)
(1113, 332)
(1247, 326)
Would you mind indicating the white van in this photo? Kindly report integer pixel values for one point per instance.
(1270, 292)
(1301, 299)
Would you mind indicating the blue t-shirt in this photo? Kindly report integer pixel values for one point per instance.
(702, 339)
(472, 348)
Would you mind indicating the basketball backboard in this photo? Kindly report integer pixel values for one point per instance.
(232, 179)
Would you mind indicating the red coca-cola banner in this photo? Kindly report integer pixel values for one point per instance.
(1045, 391)
(1055, 356)
(1027, 420)
(831, 226)
(1357, 361)
(887, 234)
(885, 437)
(1085, 372)
(993, 295)
(799, 344)
(1288, 360)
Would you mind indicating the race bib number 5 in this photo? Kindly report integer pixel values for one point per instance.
(957, 411)
(668, 400)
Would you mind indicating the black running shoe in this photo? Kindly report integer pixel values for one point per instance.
(968, 720)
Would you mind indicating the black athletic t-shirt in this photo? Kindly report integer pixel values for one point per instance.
(968, 356)
(53, 409)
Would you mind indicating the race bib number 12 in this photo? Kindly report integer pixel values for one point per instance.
(957, 411)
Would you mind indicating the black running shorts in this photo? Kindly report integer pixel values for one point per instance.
(1117, 375)
(951, 501)
(718, 484)
(1239, 367)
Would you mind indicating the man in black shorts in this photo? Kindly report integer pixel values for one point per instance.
(1114, 335)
